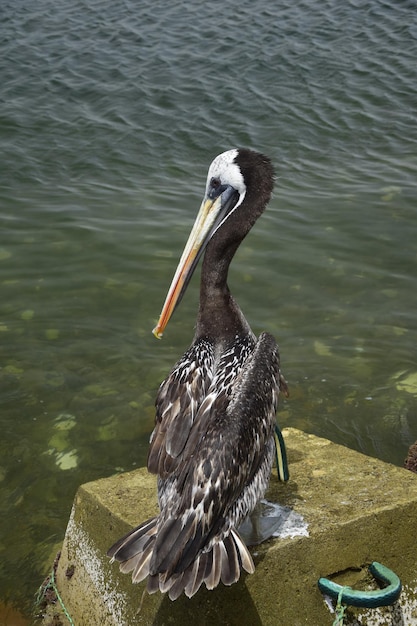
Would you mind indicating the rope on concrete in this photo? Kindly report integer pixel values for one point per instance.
(49, 585)
(365, 599)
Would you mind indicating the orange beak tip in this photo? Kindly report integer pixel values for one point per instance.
(157, 332)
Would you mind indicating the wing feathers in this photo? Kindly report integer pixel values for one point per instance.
(177, 403)
(213, 450)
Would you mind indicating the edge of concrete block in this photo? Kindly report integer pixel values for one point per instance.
(358, 509)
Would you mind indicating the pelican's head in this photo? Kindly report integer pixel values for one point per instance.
(226, 189)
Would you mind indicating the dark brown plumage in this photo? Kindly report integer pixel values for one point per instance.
(213, 442)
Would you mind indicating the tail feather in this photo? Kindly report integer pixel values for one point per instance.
(153, 584)
(173, 585)
(190, 579)
(177, 545)
(173, 541)
(166, 581)
(223, 562)
(244, 554)
(133, 542)
(200, 575)
(134, 550)
(209, 564)
(177, 588)
(142, 563)
(230, 562)
(213, 578)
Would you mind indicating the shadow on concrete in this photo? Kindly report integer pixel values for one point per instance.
(228, 606)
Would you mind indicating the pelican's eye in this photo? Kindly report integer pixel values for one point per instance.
(216, 188)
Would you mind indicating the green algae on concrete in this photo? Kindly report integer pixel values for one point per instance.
(358, 509)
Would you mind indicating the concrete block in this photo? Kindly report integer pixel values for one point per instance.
(358, 509)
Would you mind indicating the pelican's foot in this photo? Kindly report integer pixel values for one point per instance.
(272, 520)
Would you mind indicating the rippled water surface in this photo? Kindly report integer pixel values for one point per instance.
(110, 114)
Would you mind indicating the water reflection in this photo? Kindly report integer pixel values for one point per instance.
(110, 118)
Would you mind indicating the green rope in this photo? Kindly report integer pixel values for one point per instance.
(367, 599)
(51, 584)
(340, 609)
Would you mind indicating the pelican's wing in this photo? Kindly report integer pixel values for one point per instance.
(230, 465)
(177, 403)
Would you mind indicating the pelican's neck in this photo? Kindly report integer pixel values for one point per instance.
(219, 315)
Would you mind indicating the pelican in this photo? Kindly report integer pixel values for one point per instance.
(213, 444)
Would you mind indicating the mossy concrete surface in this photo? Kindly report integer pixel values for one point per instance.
(358, 509)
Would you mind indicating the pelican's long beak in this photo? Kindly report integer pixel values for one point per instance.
(209, 218)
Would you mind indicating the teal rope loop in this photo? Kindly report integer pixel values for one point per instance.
(366, 599)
